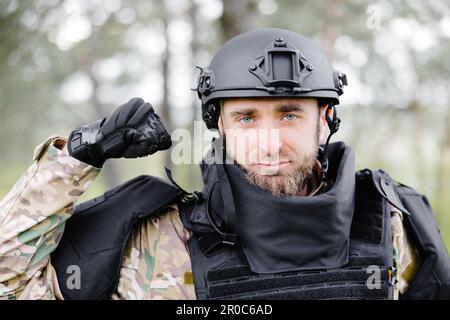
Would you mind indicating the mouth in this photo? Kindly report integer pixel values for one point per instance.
(273, 164)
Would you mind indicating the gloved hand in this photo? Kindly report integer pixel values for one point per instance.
(133, 130)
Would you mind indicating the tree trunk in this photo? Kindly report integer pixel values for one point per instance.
(165, 111)
(237, 17)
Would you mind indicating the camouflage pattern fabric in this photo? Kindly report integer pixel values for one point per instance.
(32, 218)
(156, 263)
(406, 257)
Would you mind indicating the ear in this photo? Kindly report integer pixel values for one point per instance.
(220, 119)
(322, 123)
(220, 124)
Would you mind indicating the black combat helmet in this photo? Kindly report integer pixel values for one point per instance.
(267, 63)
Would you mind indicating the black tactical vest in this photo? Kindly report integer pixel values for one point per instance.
(248, 244)
(228, 265)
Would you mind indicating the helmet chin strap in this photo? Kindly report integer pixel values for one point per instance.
(333, 124)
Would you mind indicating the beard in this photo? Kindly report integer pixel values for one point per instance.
(285, 184)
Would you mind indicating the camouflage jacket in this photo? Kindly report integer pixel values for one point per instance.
(156, 264)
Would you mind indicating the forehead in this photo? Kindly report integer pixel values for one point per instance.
(233, 104)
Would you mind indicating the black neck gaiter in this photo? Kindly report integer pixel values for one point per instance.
(279, 234)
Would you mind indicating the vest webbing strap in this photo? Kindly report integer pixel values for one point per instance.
(338, 292)
(239, 282)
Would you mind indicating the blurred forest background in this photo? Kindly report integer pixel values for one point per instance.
(64, 63)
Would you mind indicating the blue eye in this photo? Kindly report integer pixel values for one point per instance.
(290, 116)
(246, 120)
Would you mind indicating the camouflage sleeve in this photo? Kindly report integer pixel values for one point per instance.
(406, 257)
(32, 219)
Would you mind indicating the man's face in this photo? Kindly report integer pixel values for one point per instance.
(275, 140)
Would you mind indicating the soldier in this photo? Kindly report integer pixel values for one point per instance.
(281, 216)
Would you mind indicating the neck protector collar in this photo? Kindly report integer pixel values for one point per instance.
(289, 233)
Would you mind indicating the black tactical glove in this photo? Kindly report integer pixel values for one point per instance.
(133, 130)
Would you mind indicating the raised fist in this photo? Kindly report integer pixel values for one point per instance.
(133, 130)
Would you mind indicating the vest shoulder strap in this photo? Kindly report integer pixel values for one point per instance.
(95, 236)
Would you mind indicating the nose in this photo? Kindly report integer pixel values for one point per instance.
(269, 142)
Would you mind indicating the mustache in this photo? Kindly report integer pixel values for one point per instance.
(263, 157)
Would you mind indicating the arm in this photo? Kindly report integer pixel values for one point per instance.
(33, 214)
(32, 218)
